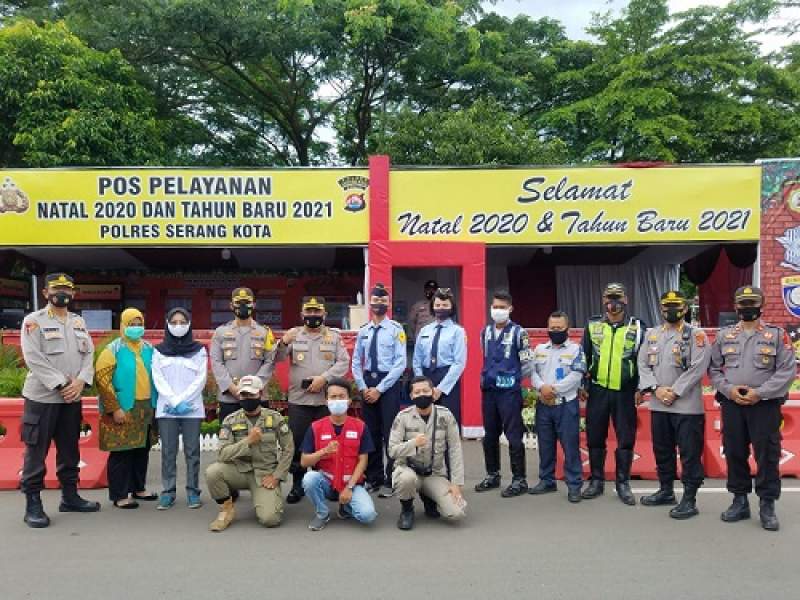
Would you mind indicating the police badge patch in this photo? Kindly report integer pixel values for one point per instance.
(790, 240)
(790, 290)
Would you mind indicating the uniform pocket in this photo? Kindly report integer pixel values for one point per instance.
(230, 350)
(257, 350)
(83, 342)
(55, 344)
(765, 359)
(30, 428)
(299, 353)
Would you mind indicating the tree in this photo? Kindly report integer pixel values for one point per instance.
(483, 134)
(62, 103)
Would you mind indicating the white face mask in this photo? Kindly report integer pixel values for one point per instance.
(337, 407)
(500, 315)
(178, 330)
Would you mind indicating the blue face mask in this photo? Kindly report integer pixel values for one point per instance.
(134, 332)
(337, 407)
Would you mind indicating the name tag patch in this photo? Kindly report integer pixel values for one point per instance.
(351, 435)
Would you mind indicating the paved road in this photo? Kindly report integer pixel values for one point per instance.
(522, 547)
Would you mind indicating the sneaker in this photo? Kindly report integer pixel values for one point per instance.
(386, 492)
(343, 513)
(193, 500)
(165, 502)
(318, 523)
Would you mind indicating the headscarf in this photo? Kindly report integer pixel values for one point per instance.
(179, 346)
(128, 315)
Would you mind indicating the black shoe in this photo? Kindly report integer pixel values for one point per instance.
(406, 520)
(373, 487)
(686, 509)
(662, 497)
(766, 511)
(574, 495)
(517, 488)
(235, 495)
(490, 482)
(593, 489)
(295, 495)
(72, 502)
(431, 509)
(34, 512)
(625, 494)
(543, 488)
(738, 510)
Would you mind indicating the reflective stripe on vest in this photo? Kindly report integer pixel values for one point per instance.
(613, 349)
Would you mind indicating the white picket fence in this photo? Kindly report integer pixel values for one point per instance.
(208, 443)
(529, 439)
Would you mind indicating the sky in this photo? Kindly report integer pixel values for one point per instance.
(575, 15)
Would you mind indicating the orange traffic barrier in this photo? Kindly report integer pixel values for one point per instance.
(92, 463)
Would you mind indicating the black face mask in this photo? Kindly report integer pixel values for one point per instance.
(442, 313)
(422, 402)
(615, 306)
(379, 309)
(312, 322)
(673, 315)
(250, 404)
(749, 313)
(59, 299)
(558, 337)
(243, 311)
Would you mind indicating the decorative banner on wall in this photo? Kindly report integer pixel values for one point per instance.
(133, 207)
(576, 206)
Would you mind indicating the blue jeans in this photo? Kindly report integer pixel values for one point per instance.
(169, 429)
(562, 423)
(319, 490)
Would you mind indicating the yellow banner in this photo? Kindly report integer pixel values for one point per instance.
(154, 207)
(576, 206)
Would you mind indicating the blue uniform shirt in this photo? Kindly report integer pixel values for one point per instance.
(391, 353)
(563, 367)
(452, 352)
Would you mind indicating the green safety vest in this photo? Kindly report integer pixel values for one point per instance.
(614, 353)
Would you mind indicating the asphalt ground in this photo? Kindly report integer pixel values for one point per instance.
(532, 547)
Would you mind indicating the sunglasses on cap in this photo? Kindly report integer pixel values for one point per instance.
(444, 291)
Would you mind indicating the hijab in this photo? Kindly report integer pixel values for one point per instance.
(125, 319)
(179, 346)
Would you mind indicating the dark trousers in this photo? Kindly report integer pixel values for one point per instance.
(227, 408)
(300, 419)
(620, 408)
(41, 424)
(559, 423)
(127, 471)
(759, 425)
(502, 413)
(687, 432)
(452, 400)
(379, 418)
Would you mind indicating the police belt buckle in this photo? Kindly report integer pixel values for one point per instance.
(560, 400)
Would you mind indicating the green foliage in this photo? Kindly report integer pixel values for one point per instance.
(209, 427)
(10, 357)
(12, 379)
(63, 103)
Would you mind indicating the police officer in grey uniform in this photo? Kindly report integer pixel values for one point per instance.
(752, 368)
(423, 436)
(317, 355)
(240, 347)
(672, 362)
(59, 354)
(421, 312)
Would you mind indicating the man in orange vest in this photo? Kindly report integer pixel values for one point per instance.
(337, 448)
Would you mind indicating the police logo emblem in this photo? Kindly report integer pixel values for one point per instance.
(790, 290)
(12, 199)
(790, 240)
(355, 187)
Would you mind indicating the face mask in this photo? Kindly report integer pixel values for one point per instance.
(134, 332)
(312, 322)
(59, 299)
(337, 407)
(557, 337)
(500, 315)
(422, 402)
(379, 309)
(673, 315)
(250, 404)
(749, 313)
(178, 330)
(615, 306)
(243, 311)
(442, 313)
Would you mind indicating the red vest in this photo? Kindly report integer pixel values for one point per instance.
(338, 467)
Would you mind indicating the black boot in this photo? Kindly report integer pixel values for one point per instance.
(406, 520)
(665, 495)
(688, 505)
(431, 509)
(624, 460)
(597, 464)
(490, 482)
(519, 485)
(738, 510)
(297, 492)
(34, 511)
(72, 502)
(766, 511)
